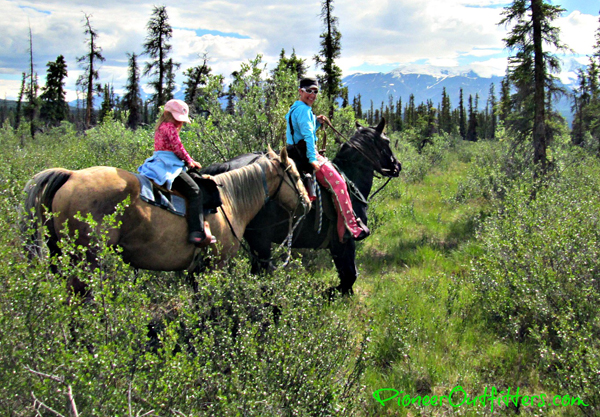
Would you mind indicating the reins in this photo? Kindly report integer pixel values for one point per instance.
(376, 164)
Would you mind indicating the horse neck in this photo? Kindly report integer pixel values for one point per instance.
(242, 192)
(361, 174)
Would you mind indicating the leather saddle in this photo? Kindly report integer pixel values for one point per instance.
(173, 201)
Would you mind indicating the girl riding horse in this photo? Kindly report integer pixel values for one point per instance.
(301, 132)
(168, 165)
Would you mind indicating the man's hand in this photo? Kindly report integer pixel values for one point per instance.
(323, 120)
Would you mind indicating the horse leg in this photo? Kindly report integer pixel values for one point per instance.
(344, 257)
(75, 285)
(260, 248)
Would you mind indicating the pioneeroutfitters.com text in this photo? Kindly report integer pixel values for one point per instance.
(458, 397)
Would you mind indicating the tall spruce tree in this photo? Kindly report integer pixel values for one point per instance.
(132, 101)
(445, 116)
(170, 84)
(20, 100)
(196, 77)
(89, 64)
(586, 106)
(492, 109)
(531, 68)
(462, 120)
(157, 47)
(410, 116)
(108, 101)
(587, 116)
(580, 100)
(54, 104)
(398, 126)
(358, 109)
(331, 49)
(31, 109)
(472, 124)
(293, 63)
(432, 127)
(505, 100)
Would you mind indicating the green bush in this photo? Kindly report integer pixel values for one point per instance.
(493, 169)
(254, 117)
(240, 345)
(417, 163)
(538, 277)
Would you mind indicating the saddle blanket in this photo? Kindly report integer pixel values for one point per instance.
(151, 195)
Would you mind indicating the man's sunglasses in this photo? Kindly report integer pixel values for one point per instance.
(310, 90)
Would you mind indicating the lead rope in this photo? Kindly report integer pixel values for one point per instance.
(289, 238)
(318, 188)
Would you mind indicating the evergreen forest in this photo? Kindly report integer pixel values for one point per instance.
(478, 292)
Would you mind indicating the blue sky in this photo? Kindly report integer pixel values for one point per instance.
(377, 35)
(584, 6)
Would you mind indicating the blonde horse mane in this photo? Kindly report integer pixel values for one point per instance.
(244, 186)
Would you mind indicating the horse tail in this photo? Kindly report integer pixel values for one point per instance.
(39, 194)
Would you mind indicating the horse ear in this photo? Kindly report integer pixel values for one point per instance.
(358, 125)
(380, 126)
(284, 156)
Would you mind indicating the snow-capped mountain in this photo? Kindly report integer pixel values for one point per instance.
(570, 72)
(426, 82)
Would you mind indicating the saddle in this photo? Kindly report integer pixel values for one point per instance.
(327, 204)
(324, 206)
(172, 201)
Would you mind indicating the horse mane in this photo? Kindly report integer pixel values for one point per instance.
(244, 186)
(241, 160)
(362, 141)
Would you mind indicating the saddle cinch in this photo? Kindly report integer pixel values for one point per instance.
(173, 202)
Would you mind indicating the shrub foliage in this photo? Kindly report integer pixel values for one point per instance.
(538, 276)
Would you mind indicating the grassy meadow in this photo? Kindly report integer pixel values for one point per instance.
(468, 286)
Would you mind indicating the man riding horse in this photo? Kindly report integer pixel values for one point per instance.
(302, 126)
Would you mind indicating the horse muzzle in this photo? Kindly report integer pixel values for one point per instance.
(393, 172)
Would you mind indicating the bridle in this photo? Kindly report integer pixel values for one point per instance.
(286, 172)
(376, 163)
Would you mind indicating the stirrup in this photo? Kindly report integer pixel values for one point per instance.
(200, 239)
(365, 230)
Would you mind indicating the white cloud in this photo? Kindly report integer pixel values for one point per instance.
(407, 31)
(577, 31)
(483, 52)
(374, 33)
(443, 62)
(9, 89)
(494, 66)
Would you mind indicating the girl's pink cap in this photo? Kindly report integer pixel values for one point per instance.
(179, 109)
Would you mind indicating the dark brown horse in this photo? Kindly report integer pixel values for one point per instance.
(368, 151)
(153, 238)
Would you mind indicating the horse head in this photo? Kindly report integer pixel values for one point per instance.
(374, 145)
(289, 190)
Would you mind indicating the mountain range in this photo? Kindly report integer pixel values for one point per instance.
(426, 82)
(423, 82)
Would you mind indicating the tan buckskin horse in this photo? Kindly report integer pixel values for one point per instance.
(153, 238)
